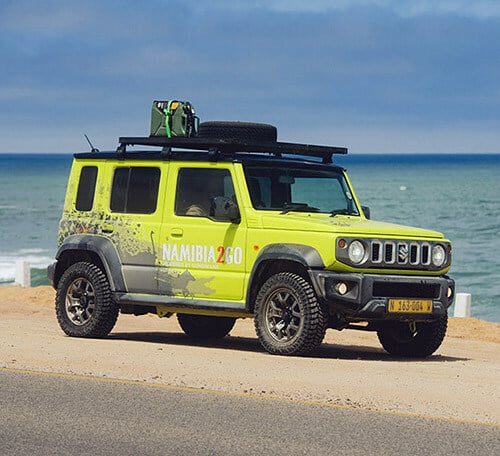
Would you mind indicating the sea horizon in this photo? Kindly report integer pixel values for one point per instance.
(457, 194)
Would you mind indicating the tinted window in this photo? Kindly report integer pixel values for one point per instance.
(119, 189)
(135, 190)
(86, 188)
(311, 189)
(196, 187)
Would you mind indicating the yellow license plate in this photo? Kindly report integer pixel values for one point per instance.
(410, 305)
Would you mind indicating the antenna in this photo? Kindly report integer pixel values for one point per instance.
(92, 148)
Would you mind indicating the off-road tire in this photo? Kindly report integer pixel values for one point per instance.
(398, 340)
(242, 131)
(205, 327)
(84, 307)
(288, 318)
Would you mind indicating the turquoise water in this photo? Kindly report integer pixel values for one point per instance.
(31, 197)
(456, 194)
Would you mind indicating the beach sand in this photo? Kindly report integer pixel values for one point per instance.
(460, 381)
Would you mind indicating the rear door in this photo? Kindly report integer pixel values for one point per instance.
(133, 219)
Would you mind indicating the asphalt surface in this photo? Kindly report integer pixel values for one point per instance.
(42, 414)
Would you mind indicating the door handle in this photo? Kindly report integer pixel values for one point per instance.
(177, 232)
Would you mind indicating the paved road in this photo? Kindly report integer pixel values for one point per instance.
(43, 414)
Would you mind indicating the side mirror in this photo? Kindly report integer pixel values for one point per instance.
(366, 211)
(224, 209)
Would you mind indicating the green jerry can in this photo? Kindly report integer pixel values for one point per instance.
(173, 118)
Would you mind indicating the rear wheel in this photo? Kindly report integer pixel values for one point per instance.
(288, 318)
(84, 307)
(413, 340)
(205, 327)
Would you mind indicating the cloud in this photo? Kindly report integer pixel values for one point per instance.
(405, 8)
(48, 18)
(330, 66)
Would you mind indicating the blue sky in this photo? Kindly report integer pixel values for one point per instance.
(383, 76)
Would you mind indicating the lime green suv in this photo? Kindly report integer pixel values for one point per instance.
(234, 224)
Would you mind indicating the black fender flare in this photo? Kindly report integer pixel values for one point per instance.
(104, 249)
(305, 255)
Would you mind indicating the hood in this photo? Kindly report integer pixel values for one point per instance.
(344, 226)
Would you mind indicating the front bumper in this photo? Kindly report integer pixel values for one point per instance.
(367, 295)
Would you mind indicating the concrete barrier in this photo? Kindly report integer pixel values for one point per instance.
(462, 305)
(23, 274)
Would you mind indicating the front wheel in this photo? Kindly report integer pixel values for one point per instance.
(84, 307)
(205, 327)
(413, 340)
(288, 318)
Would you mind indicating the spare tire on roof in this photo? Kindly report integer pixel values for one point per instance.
(243, 131)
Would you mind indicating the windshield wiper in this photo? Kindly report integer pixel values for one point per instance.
(342, 212)
(299, 207)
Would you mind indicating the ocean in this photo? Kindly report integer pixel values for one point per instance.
(458, 195)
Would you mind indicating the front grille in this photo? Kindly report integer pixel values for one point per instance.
(400, 253)
(394, 254)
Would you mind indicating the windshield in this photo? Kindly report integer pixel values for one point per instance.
(286, 189)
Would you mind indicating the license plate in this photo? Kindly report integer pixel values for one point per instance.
(410, 305)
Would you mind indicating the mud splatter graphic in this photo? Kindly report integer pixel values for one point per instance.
(126, 235)
(183, 284)
(127, 238)
(72, 223)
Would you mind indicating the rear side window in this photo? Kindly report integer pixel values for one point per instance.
(135, 190)
(86, 188)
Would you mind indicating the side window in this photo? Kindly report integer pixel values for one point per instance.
(135, 190)
(196, 187)
(86, 188)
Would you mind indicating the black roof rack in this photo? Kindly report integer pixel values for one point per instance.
(216, 146)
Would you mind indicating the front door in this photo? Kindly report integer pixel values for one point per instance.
(201, 258)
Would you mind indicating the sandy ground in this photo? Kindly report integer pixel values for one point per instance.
(461, 381)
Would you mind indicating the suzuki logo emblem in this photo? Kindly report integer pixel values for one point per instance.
(402, 253)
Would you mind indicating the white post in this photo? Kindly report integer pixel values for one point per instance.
(462, 305)
(23, 273)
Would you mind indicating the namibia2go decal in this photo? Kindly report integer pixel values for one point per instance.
(208, 255)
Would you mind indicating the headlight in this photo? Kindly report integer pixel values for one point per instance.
(356, 252)
(438, 255)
